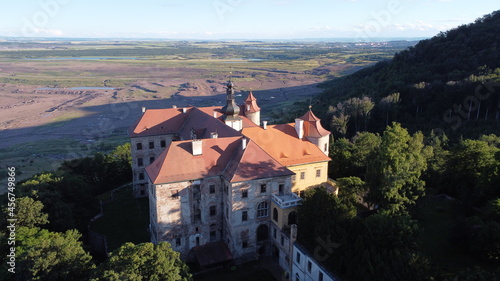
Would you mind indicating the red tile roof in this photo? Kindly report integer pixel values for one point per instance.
(254, 163)
(173, 121)
(251, 103)
(214, 253)
(177, 163)
(282, 143)
(202, 121)
(312, 126)
(159, 122)
(220, 156)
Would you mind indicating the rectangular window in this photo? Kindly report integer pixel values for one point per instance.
(139, 162)
(320, 276)
(263, 188)
(213, 236)
(274, 233)
(139, 146)
(298, 257)
(294, 177)
(244, 244)
(177, 241)
(141, 176)
(244, 193)
(281, 187)
(302, 175)
(151, 159)
(163, 143)
(227, 213)
(262, 210)
(326, 147)
(282, 240)
(309, 266)
(151, 144)
(318, 173)
(212, 188)
(244, 216)
(213, 210)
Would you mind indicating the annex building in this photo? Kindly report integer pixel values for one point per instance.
(222, 185)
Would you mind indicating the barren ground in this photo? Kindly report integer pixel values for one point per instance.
(40, 127)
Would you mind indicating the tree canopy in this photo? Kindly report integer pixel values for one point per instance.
(395, 175)
(45, 255)
(143, 262)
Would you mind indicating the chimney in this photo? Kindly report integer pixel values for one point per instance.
(184, 110)
(243, 143)
(143, 109)
(197, 147)
(299, 127)
(215, 114)
(214, 135)
(174, 106)
(264, 125)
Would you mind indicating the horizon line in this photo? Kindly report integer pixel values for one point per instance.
(319, 39)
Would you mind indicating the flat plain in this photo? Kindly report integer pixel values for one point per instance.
(61, 100)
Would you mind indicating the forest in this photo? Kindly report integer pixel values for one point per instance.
(416, 155)
(396, 190)
(447, 84)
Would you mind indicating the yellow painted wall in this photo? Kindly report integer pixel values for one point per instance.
(282, 214)
(310, 178)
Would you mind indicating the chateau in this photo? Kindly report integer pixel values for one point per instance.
(222, 185)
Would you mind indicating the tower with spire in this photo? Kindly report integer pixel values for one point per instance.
(251, 109)
(231, 110)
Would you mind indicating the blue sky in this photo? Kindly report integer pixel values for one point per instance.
(237, 19)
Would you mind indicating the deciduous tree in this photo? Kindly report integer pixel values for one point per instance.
(45, 255)
(143, 262)
(394, 176)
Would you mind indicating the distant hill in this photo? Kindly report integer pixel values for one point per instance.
(449, 82)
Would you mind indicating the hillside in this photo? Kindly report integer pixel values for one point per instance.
(449, 82)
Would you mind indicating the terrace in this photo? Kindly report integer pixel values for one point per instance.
(286, 200)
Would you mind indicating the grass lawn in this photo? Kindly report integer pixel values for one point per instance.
(125, 219)
(247, 272)
(437, 220)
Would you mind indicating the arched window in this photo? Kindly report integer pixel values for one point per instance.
(275, 215)
(292, 218)
(262, 210)
(262, 232)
